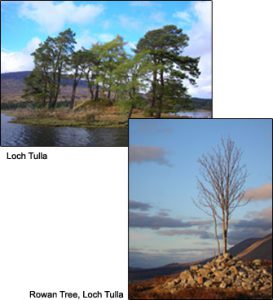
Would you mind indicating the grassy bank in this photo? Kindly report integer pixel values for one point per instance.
(84, 115)
(90, 118)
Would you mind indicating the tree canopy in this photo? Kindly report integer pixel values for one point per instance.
(153, 77)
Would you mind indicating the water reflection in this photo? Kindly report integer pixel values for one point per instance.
(28, 135)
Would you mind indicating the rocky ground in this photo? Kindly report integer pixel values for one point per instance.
(224, 272)
(224, 277)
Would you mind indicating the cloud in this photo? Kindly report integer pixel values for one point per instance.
(105, 37)
(199, 15)
(152, 258)
(199, 233)
(140, 154)
(130, 23)
(263, 192)
(184, 17)
(139, 205)
(16, 61)
(266, 213)
(85, 40)
(144, 220)
(141, 3)
(258, 224)
(52, 16)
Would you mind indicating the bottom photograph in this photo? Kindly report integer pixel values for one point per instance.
(200, 209)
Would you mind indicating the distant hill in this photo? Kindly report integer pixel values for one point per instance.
(249, 249)
(200, 103)
(261, 248)
(235, 250)
(12, 85)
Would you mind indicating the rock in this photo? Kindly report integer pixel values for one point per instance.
(219, 274)
(176, 281)
(227, 255)
(257, 262)
(200, 280)
(246, 286)
(223, 285)
(233, 270)
(204, 272)
(208, 283)
(194, 268)
(224, 272)
(185, 275)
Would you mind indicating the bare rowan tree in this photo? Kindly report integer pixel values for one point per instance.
(206, 204)
(221, 184)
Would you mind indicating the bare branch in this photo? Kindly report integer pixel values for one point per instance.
(221, 185)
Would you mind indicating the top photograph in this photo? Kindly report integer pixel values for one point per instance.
(74, 72)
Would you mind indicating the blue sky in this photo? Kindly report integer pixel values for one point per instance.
(162, 181)
(26, 23)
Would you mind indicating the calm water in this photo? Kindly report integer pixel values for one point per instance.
(29, 135)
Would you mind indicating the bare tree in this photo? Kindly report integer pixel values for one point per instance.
(206, 204)
(221, 185)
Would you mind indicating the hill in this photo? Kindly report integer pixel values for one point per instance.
(12, 86)
(261, 249)
(249, 249)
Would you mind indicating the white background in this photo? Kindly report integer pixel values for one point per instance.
(64, 220)
(243, 58)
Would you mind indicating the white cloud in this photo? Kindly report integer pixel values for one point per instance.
(52, 16)
(141, 3)
(183, 16)
(15, 61)
(105, 37)
(199, 44)
(129, 22)
(33, 44)
(85, 40)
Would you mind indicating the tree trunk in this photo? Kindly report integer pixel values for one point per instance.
(153, 92)
(72, 101)
(97, 92)
(159, 109)
(131, 111)
(59, 75)
(224, 233)
(109, 93)
(91, 90)
(225, 241)
(216, 232)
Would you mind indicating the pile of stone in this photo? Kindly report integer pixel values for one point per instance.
(224, 272)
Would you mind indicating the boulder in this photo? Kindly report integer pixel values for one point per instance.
(224, 272)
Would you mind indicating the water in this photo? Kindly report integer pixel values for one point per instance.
(195, 114)
(28, 135)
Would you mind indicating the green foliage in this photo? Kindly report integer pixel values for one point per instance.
(51, 60)
(164, 48)
(151, 80)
